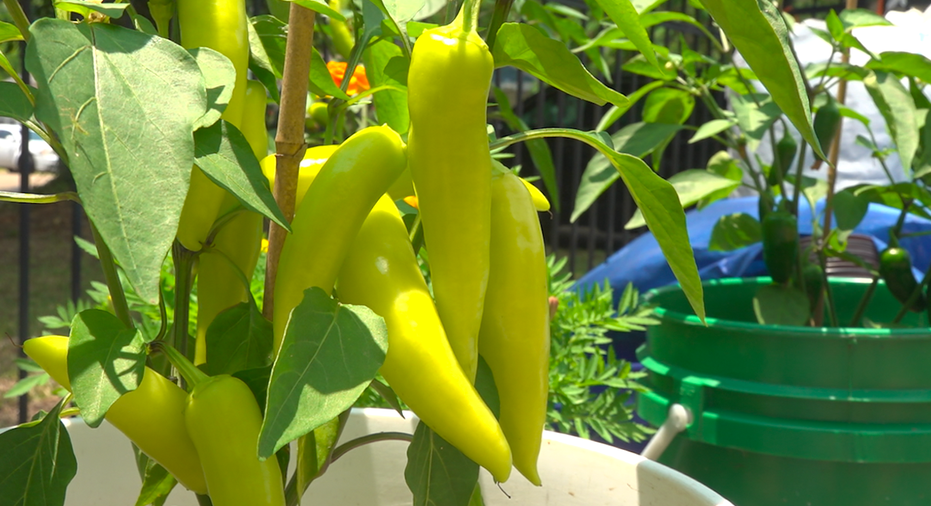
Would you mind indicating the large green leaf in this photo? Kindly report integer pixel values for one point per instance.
(260, 63)
(105, 360)
(330, 353)
(103, 90)
(224, 154)
(897, 107)
(14, 103)
(692, 185)
(531, 50)
(625, 16)
(757, 30)
(36, 462)
(239, 338)
(539, 149)
(385, 65)
(654, 196)
(637, 139)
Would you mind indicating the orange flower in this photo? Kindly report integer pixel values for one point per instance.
(357, 83)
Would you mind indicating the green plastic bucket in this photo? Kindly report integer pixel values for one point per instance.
(793, 415)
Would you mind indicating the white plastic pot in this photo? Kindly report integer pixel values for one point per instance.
(575, 472)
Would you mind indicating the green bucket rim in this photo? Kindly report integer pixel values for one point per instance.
(800, 331)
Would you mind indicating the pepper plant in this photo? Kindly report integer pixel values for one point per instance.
(757, 118)
(164, 136)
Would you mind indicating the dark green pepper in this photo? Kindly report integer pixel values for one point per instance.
(814, 282)
(895, 267)
(786, 149)
(780, 244)
(827, 120)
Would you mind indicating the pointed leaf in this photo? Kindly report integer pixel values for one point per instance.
(531, 50)
(692, 185)
(909, 64)
(856, 18)
(239, 338)
(321, 82)
(36, 462)
(711, 128)
(105, 361)
(320, 7)
(224, 154)
(625, 16)
(259, 61)
(114, 10)
(105, 99)
(615, 112)
(219, 78)
(157, 483)
(735, 231)
(757, 30)
(897, 107)
(8, 32)
(14, 103)
(329, 355)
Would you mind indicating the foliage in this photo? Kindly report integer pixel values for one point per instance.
(590, 388)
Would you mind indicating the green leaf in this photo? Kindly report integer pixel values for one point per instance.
(8, 32)
(711, 128)
(539, 149)
(897, 107)
(781, 305)
(755, 114)
(909, 64)
(385, 65)
(321, 82)
(856, 18)
(14, 104)
(625, 16)
(224, 154)
(637, 139)
(26, 384)
(113, 10)
(329, 355)
(36, 462)
(849, 211)
(257, 381)
(692, 185)
(105, 361)
(758, 31)
(639, 65)
(220, 78)
(321, 8)
(106, 100)
(273, 35)
(157, 483)
(315, 449)
(722, 164)
(239, 338)
(529, 49)
(671, 106)
(735, 231)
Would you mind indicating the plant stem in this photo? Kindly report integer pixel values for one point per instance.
(110, 274)
(183, 259)
(912, 298)
(370, 438)
(188, 370)
(470, 9)
(498, 17)
(38, 198)
(864, 302)
(289, 140)
(19, 17)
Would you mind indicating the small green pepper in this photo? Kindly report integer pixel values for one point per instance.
(780, 244)
(895, 267)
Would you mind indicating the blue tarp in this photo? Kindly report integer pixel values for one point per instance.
(642, 263)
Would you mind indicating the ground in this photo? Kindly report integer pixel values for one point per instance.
(49, 284)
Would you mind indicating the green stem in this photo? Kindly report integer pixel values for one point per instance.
(183, 259)
(221, 222)
(864, 302)
(35, 198)
(19, 17)
(797, 187)
(371, 438)
(469, 15)
(162, 314)
(828, 293)
(185, 367)
(110, 274)
(498, 17)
